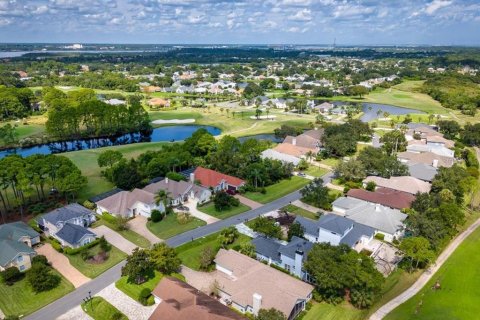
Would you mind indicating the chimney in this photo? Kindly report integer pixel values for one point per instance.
(435, 163)
(298, 262)
(192, 177)
(294, 141)
(257, 303)
(166, 180)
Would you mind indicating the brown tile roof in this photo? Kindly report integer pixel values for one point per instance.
(159, 102)
(405, 183)
(427, 158)
(212, 178)
(175, 188)
(121, 202)
(180, 301)
(292, 150)
(309, 139)
(278, 290)
(384, 196)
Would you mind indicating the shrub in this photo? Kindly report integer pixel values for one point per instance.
(86, 255)
(156, 216)
(89, 205)
(472, 171)
(144, 295)
(184, 217)
(380, 236)
(104, 245)
(371, 186)
(56, 244)
(175, 176)
(11, 275)
(40, 259)
(71, 251)
(41, 279)
(224, 201)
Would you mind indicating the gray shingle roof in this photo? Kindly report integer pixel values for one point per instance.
(66, 213)
(347, 203)
(356, 233)
(16, 230)
(422, 171)
(296, 244)
(310, 226)
(334, 223)
(72, 233)
(267, 247)
(10, 245)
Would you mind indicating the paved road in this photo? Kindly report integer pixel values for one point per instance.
(73, 299)
(425, 277)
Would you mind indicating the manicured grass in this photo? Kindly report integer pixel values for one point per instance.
(278, 190)
(210, 210)
(458, 297)
(315, 171)
(332, 162)
(94, 270)
(190, 252)
(133, 290)
(300, 212)
(177, 114)
(325, 311)
(170, 227)
(130, 235)
(20, 300)
(99, 309)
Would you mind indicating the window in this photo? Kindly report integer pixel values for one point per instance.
(20, 259)
(22, 268)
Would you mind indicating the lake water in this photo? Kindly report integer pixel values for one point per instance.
(169, 133)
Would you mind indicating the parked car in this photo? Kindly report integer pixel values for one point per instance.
(231, 192)
(301, 174)
(183, 208)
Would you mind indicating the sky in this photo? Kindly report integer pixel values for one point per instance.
(350, 22)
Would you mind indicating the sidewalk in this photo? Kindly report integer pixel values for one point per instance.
(426, 276)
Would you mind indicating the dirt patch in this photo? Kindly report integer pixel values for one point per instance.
(99, 258)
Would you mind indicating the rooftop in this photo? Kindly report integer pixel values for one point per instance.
(404, 183)
(384, 196)
(212, 178)
(66, 213)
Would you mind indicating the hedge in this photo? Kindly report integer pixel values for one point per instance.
(75, 251)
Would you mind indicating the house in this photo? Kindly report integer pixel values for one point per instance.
(248, 285)
(159, 103)
(289, 256)
(422, 171)
(180, 191)
(325, 107)
(177, 300)
(283, 157)
(74, 236)
(405, 183)
(301, 145)
(387, 197)
(16, 242)
(129, 204)
(437, 149)
(215, 180)
(335, 229)
(74, 213)
(382, 219)
(428, 158)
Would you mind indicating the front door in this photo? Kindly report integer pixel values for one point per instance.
(134, 211)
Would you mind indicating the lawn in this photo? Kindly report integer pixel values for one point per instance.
(177, 114)
(327, 311)
(332, 162)
(315, 171)
(99, 309)
(130, 235)
(170, 227)
(278, 190)
(190, 252)
(210, 210)
(20, 300)
(94, 270)
(300, 212)
(458, 297)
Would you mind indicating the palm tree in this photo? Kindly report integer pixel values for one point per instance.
(309, 155)
(430, 118)
(163, 197)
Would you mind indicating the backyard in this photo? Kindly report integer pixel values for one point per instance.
(93, 270)
(170, 226)
(278, 190)
(232, 211)
(99, 309)
(189, 253)
(20, 300)
(459, 294)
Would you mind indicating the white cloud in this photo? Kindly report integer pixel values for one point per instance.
(436, 5)
(302, 15)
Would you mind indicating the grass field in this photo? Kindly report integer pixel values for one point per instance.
(133, 290)
(99, 309)
(278, 190)
(170, 227)
(315, 171)
(210, 210)
(130, 235)
(300, 212)
(94, 270)
(459, 294)
(20, 300)
(190, 252)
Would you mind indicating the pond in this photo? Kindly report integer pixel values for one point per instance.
(169, 133)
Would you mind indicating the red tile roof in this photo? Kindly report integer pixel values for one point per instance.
(212, 178)
(384, 196)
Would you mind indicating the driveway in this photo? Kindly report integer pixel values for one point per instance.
(250, 203)
(305, 206)
(192, 206)
(139, 225)
(114, 238)
(62, 265)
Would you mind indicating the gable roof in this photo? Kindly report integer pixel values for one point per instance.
(121, 202)
(275, 155)
(427, 158)
(10, 244)
(182, 301)
(293, 150)
(405, 183)
(335, 223)
(296, 244)
(212, 178)
(175, 188)
(267, 247)
(66, 213)
(384, 196)
(72, 233)
(422, 171)
(249, 276)
(309, 139)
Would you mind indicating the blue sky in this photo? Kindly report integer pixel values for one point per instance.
(436, 22)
